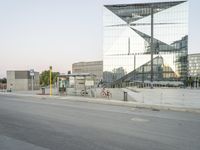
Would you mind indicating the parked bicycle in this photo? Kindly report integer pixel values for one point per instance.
(106, 93)
(83, 93)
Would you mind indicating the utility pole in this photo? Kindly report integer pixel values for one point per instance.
(50, 76)
(152, 46)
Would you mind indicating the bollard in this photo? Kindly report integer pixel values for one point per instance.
(43, 90)
(125, 96)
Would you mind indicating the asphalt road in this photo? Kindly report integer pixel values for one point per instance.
(49, 124)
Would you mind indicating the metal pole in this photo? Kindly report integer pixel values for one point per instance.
(32, 82)
(50, 84)
(142, 75)
(152, 46)
(75, 84)
(94, 78)
(84, 86)
(129, 47)
(134, 66)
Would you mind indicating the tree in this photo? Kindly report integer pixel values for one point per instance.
(44, 77)
(3, 80)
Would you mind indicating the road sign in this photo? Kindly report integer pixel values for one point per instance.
(32, 72)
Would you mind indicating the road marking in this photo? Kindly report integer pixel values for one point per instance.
(139, 120)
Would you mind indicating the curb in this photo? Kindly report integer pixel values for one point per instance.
(112, 102)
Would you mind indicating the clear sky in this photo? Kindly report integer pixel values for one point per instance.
(39, 33)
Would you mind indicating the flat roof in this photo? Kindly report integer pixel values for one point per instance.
(194, 54)
(77, 75)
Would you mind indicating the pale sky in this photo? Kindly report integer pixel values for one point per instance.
(39, 33)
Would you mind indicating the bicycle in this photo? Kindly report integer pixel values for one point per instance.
(106, 93)
(83, 93)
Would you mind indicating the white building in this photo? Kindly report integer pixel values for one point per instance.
(93, 67)
(22, 81)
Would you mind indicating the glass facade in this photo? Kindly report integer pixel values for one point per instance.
(194, 65)
(132, 32)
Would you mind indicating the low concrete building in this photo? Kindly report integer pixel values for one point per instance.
(194, 65)
(93, 67)
(22, 81)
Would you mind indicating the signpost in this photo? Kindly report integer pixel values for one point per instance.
(32, 77)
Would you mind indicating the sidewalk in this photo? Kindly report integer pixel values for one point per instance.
(111, 102)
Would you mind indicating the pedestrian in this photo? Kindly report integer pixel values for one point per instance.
(196, 82)
(192, 83)
(199, 82)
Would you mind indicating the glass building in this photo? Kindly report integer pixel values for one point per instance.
(145, 42)
(194, 65)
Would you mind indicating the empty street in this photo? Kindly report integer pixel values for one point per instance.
(28, 123)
